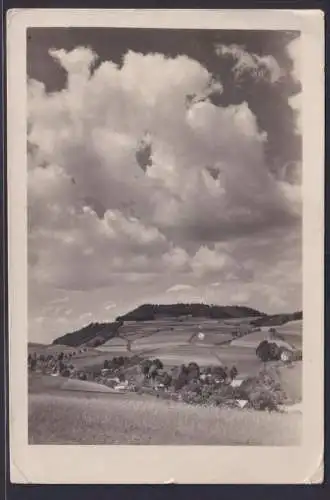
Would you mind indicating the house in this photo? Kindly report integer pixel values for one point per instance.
(237, 382)
(241, 403)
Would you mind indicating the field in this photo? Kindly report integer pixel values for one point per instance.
(175, 342)
(71, 411)
(60, 417)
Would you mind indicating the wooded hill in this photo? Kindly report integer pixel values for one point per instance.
(96, 334)
(150, 312)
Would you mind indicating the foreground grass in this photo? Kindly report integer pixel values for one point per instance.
(103, 419)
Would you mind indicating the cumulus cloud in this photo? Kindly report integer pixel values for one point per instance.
(294, 52)
(135, 177)
(239, 297)
(85, 315)
(249, 65)
(110, 306)
(179, 288)
(60, 300)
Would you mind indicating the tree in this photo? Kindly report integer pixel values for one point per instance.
(193, 371)
(233, 372)
(220, 372)
(158, 364)
(182, 378)
(33, 364)
(274, 351)
(167, 380)
(263, 399)
(262, 351)
(145, 366)
(153, 371)
(121, 360)
(60, 366)
(180, 382)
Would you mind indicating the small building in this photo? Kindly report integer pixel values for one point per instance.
(237, 382)
(241, 403)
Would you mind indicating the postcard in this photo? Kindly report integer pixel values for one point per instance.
(165, 215)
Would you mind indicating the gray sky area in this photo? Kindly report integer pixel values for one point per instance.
(163, 166)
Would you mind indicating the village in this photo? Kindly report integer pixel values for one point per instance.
(215, 385)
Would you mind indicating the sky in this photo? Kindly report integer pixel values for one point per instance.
(163, 166)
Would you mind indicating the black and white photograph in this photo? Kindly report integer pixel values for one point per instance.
(164, 236)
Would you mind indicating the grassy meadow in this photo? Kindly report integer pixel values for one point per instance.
(90, 419)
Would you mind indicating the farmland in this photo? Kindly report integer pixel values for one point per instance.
(175, 341)
(68, 410)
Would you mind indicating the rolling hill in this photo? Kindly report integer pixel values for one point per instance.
(150, 317)
(92, 335)
(277, 319)
(96, 334)
(149, 312)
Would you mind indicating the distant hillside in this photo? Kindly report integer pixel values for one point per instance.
(150, 312)
(96, 334)
(277, 319)
(92, 335)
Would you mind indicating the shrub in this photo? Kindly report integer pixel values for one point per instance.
(297, 355)
(263, 399)
(216, 399)
(214, 376)
(194, 386)
(192, 398)
(180, 381)
(164, 378)
(117, 362)
(263, 391)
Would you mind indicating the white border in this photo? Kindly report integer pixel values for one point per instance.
(159, 464)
